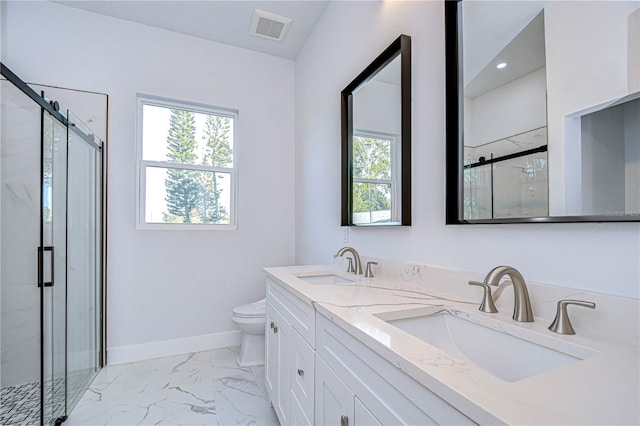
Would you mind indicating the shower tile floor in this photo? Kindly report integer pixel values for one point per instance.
(20, 405)
(203, 388)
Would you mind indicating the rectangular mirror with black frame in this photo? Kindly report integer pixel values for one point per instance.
(542, 111)
(376, 141)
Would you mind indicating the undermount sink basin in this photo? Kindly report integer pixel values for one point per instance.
(325, 279)
(505, 356)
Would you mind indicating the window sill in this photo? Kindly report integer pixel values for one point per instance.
(184, 227)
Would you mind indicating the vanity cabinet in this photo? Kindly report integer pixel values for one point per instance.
(289, 360)
(317, 373)
(355, 382)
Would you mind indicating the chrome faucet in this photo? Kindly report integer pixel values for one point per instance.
(522, 305)
(356, 257)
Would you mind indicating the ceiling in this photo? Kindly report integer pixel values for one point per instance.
(493, 29)
(523, 55)
(217, 20)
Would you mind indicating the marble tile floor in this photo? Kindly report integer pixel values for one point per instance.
(203, 388)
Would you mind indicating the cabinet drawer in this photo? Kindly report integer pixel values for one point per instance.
(302, 374)
(300, 315)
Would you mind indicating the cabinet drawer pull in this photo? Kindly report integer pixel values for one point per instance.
(344, 421)
(300, 372)
(272, 325)
(275, 329)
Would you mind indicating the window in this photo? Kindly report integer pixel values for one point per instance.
(375, 169)
(187, 170)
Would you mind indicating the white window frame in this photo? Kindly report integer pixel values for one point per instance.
(141, 165)
(395, 171)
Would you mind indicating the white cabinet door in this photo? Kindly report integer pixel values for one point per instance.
(271, 355)
(362, 416)
(298, 416)
(334, 400)
(278, 362)
(302, 371)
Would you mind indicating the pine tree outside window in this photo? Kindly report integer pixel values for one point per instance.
(187, 169)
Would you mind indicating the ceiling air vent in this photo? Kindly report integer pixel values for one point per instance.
(269, 25)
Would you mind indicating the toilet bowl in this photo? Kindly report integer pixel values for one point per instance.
(250, 319)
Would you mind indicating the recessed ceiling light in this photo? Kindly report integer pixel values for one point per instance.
(501, 65)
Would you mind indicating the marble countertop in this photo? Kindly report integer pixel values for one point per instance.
(601, 389)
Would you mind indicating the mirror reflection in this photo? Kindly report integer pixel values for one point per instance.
(376, 141)
(549, 109)
(377, 147)
(505, 113)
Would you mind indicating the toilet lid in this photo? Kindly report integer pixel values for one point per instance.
(251, 310)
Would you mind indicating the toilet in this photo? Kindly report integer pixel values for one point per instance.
(250, 319)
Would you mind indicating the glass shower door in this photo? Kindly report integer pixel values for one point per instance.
(84, 253)
(51, 273)
(52, 267)
(69, 264)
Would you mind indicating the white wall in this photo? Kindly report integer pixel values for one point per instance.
(632, 157)
(633, 63)
(376, 108)
(603, 161)
(590, 50)
(167, 285)
(348, 37)
(610, 160)
(495, 115)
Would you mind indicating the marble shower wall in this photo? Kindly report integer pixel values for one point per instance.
(20, 169)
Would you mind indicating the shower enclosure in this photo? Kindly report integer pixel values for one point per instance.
(52, 255)
(507, 178)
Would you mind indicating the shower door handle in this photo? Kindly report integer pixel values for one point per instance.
(41, 266)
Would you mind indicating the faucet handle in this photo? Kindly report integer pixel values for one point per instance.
(350, 267)
(487, 304)
(369, 273)
(561, 323)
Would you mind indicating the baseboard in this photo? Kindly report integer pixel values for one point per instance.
(143, 351)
